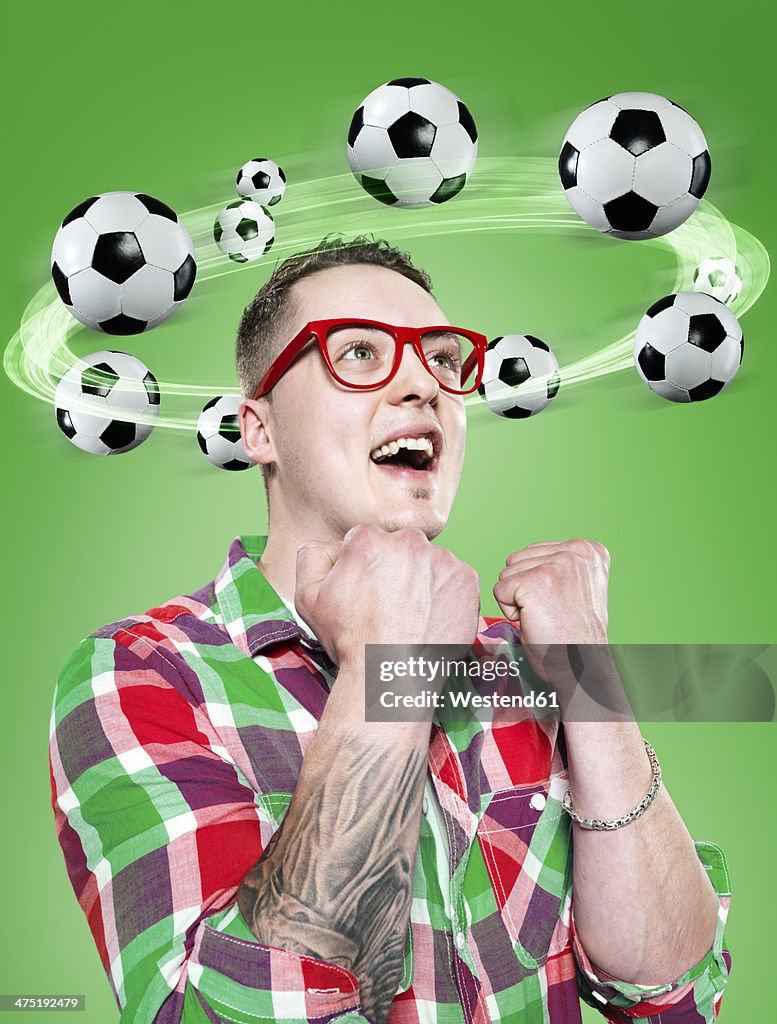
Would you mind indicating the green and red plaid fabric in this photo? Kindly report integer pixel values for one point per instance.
(177, 738)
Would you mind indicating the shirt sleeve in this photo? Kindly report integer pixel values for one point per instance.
(159, 825)
(694, 997)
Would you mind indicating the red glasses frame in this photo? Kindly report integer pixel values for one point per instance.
(402, 335)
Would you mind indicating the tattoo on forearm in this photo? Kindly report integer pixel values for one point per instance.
(335, 881)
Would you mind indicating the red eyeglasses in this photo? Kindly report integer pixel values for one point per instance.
(365, 354)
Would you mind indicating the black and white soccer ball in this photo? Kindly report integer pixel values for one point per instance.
(244, 231)
(634, 165)
(122, 262)
(106, 403)
(688, 347)
(218, 434)
(261, 180)
(520, 376)
(718, 277)
(412, 142)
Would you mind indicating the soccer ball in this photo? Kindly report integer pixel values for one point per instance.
(95, 397)
(261, 180)
(520, 376)
(634, 165)
(688, 347)
(244, 231)
(122, 262)
(718, 277)
(412, 142)
(218, 434)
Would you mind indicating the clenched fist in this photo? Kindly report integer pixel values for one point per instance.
(381, 587)
(558, 591)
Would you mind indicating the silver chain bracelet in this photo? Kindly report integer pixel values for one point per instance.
(600, 824)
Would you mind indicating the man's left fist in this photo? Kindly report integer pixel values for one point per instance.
(558, 591)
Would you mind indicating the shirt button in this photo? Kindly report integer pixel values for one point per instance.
(461, 939)
(425, 804)
(538, 801)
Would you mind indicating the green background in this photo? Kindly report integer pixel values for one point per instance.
(161, 99)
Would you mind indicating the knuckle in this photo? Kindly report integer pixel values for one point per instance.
(413, 535)
(579, 546)
(361, 533)
(412, 542)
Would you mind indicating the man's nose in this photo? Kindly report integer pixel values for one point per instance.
(412, 375)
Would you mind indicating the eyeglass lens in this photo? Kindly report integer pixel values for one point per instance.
(364, 355)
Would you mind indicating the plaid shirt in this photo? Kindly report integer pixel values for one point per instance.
(177, 738)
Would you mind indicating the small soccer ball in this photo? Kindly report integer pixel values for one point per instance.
(412, 142)
(218, 434)
(98, 398)
(261, 180)
(244, 231)
(688, 347)
(122, 262)
(520, 376)
(634, 165)
(719, 278)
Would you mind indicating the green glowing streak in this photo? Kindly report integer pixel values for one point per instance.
(505, 194)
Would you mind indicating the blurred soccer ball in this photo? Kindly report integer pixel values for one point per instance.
(520, 376)
(718, 277)
(218, 434)
(244, 231)
(97, 400)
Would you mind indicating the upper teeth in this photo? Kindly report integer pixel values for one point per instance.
(419, 443)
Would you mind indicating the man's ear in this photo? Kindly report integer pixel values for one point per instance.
(256, 429)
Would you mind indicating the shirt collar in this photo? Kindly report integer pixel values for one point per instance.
(254, 615)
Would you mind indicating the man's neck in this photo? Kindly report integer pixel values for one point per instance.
(278, 562)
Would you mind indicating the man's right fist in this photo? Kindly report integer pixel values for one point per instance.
(380, 587)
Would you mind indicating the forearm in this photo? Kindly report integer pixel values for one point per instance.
(644, 908)
(335, 881)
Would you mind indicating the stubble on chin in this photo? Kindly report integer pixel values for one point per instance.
(392, 524)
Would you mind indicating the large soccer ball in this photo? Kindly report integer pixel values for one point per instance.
(412, 142)
(122, 262)
(261, 180)
(634, 165)
(244, 231)
(98, 398)
(218, 434)
(520, 376)
(688, 347)
(719, 278)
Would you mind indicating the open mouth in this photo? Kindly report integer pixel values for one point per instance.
(409, 454)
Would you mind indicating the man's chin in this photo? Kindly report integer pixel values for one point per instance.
(418, 519)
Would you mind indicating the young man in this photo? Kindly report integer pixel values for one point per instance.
(246, 846)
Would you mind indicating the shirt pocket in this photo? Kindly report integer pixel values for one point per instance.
(525, 839)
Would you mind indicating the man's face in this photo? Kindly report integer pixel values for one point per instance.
(320, 434)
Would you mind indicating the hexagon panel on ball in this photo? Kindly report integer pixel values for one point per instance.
(520, 376)
(122, 262)
(688, 347)
(411, 143)
(634, 165)
(218, 434)
(105, 404)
